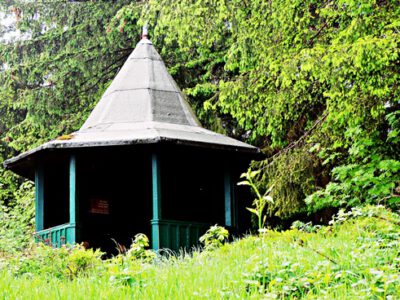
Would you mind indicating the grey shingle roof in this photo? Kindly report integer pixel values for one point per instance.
(142, 91)
(143, 105)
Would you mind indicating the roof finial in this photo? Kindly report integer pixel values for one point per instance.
(145, 33)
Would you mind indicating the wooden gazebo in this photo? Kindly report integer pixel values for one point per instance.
(140, 163)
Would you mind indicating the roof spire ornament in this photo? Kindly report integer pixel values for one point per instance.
(145, 32)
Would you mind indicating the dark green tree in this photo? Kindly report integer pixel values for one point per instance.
(56, 59)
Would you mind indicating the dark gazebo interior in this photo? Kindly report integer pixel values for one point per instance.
(115, 196)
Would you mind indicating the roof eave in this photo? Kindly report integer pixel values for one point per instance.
(9, 163)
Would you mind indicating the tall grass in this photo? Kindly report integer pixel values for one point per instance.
(356, 259)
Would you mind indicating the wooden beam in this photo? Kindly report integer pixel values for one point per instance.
(39, 197)
(156, 184)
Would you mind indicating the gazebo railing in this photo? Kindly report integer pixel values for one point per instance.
(176, 235)
(56, 236)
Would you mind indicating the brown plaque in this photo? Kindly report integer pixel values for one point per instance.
(99, 206)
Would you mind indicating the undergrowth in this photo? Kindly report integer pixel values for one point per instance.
(355, 257)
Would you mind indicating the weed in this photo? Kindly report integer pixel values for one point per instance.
(260, 202)
(214, 238)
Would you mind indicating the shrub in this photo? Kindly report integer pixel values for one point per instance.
(80, 260)
(126, 268)
(64, 262)
(214, 238)
(138, 249)
(17, 220)
(371, 174)
(306, 227)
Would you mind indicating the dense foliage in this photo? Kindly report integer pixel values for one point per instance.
(356, 257)
(315, 84)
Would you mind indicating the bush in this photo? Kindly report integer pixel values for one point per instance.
(65, 262)
(138, 251)
(17, 220)
(126, 268)
(214, 238)
(371, 174)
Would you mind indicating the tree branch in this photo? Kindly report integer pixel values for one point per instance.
(297, 142)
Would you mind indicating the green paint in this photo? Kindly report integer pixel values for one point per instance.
(56, 236)
(39, 197)
(234, 206)
(228, 198)
(71, 237)
(155, 235)
(176, 235)
(156, 184)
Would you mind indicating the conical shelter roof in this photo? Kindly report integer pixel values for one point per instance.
(143, 105)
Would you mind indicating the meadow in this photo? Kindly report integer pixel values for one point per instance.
(355, 257)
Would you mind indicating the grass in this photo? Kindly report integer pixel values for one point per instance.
(356, 258)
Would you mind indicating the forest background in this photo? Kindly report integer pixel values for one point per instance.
(314, 84)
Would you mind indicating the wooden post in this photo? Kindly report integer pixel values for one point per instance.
(72, 236)
(39, 197)
(156, 184)
(230, 205)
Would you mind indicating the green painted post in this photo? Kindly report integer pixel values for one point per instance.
(234, 205)
(155, 232)
(72, 237)
(39, 198)
(228, 198)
